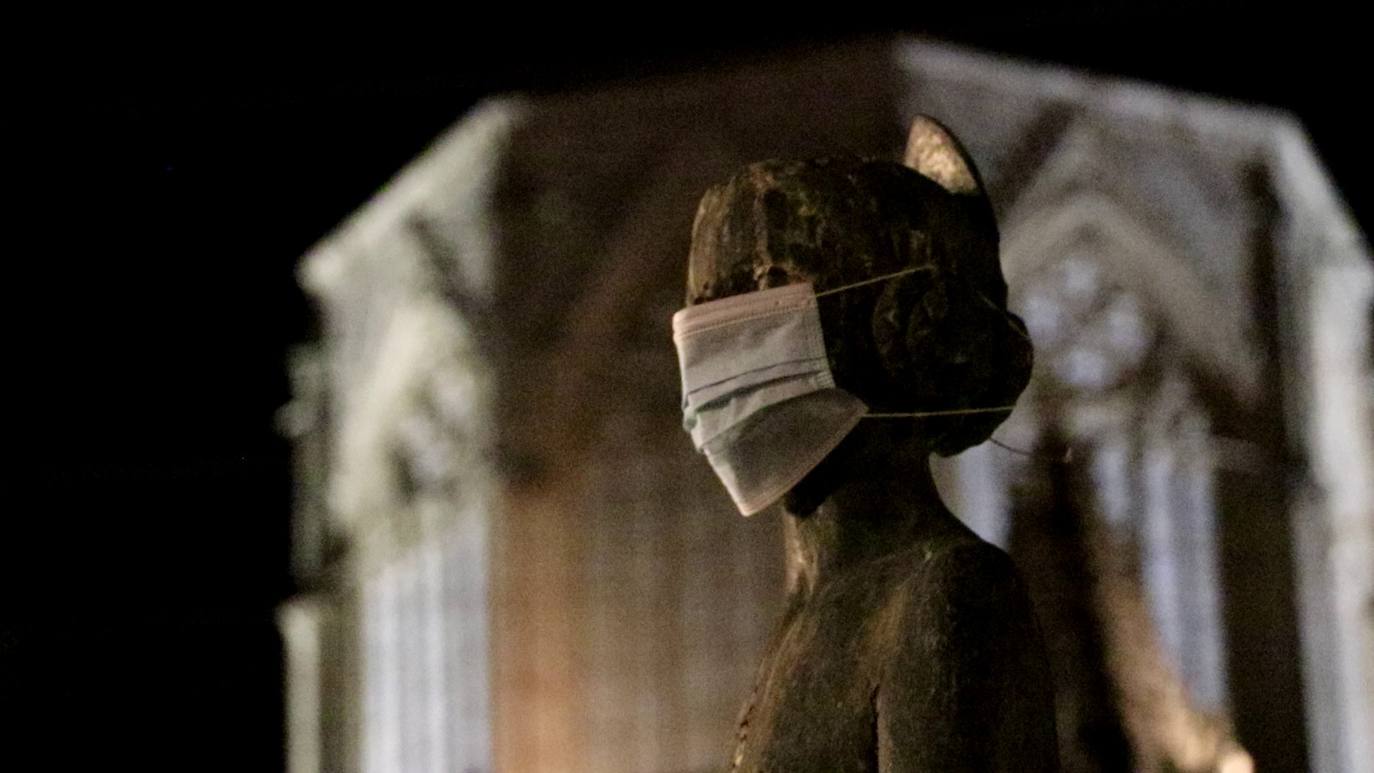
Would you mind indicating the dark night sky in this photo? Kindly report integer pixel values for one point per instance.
(160, 204)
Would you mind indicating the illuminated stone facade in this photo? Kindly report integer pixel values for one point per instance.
(513, 560)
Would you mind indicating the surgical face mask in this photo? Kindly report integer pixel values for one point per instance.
(758, 397)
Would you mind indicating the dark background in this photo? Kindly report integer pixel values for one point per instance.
(158, 199)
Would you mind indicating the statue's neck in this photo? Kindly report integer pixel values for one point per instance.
(878, 507)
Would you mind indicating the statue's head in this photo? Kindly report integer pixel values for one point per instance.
(938, 338)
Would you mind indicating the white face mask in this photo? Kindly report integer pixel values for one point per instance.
(758, 397)
(757, 394)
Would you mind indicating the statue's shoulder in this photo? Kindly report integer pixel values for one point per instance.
(973, 565)
(957, 582)
(949, 558)
(962, 673)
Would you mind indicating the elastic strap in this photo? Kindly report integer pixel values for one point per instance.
(951, 412)
(882, 278)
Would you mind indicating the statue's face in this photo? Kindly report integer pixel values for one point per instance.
(837, 222)
(934, 339)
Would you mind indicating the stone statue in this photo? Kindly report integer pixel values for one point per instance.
(907, 643)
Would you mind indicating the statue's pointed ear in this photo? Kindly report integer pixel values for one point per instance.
(932, 150)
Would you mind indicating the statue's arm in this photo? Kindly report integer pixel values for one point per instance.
(966, 686)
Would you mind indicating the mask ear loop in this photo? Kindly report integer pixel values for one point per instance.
(1067, 458)
(873, 280)
(1068, 453)
(1018, 331)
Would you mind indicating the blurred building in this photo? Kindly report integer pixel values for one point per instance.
(513, 559)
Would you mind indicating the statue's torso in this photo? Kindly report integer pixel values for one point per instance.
(813, 707)
(924, 659)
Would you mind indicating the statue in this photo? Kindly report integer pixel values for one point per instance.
(907, 643)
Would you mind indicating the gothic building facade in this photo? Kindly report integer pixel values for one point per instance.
(512, 559)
